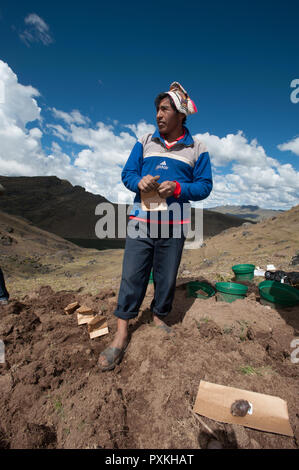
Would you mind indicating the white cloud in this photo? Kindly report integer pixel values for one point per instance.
(18, 102)
(292, 145)
(100, 161)
(73, 117)
(234, 147)
(59, 131)
(21, 150)
(37, 31)
(18, 145)
(141, 128)
(97, 167)
(255, 178)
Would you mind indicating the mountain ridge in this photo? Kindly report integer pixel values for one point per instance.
(251, 212)
(57, 206)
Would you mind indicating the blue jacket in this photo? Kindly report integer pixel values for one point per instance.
(187, 162)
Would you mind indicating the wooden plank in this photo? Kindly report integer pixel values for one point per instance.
(85, 310)
(83, 319)
(98, 332)
(96, 322)
(70, 308)
(98, 326)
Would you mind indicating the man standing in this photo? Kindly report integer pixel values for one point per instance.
(4, 295)
(178, 168)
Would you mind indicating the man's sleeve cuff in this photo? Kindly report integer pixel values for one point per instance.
(177, 191)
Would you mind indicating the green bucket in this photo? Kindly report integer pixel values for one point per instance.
(194, 286)
(230, 291)
(276, 293)
(243, 272)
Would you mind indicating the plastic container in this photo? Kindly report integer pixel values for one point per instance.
(230, 291)
(243, 272)
(275, 293)
(194, 287)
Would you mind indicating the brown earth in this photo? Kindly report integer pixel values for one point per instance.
(52, 394)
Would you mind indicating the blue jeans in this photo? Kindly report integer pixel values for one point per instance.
(3, 292)
(163, 255)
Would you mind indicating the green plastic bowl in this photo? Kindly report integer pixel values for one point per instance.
(194, 286)
(279, 294)
(243, 272)
(230, 291)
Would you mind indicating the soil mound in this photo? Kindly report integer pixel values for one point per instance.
(52, 394)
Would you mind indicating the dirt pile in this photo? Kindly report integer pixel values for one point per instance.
(52, 394)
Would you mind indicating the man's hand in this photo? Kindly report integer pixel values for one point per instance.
(166, 189)
(148, 183)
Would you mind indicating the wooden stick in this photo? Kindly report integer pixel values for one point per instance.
(203, 423)
(167, 398)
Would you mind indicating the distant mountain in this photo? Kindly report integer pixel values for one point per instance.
(52, 204)
(57, 206)
(250, 212)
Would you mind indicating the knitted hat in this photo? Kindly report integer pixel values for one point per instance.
(181, 99)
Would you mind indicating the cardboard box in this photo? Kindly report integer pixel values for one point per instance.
(268, 413)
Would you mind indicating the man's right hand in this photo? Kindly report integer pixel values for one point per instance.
(148, 183)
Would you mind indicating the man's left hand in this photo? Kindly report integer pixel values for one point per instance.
(166, 189)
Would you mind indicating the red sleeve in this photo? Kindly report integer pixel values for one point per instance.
(177, 191)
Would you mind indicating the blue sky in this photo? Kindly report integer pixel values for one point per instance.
(82, 72)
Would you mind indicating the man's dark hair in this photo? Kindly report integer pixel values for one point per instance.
(161, 97)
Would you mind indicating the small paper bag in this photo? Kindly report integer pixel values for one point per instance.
(151, 201)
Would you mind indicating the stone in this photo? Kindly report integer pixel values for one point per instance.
(208, 262)
(6, 240)
(295, 260)
(250, 333)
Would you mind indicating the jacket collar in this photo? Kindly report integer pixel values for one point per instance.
(187, 139)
